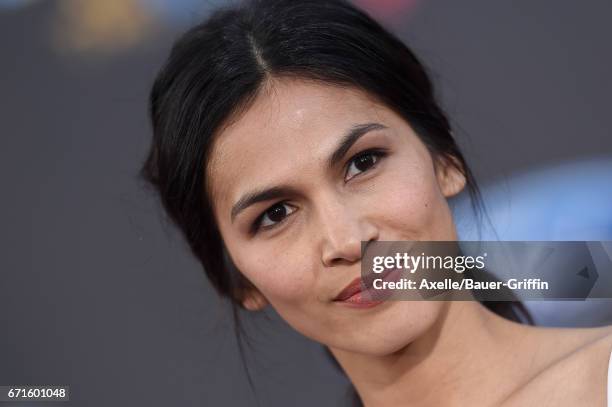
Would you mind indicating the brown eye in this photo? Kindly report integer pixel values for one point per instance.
(277, 213)
(362, 163)
(274, 215)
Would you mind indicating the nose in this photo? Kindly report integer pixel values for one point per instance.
(343, 229)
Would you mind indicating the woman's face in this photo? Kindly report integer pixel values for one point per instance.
(299, 180)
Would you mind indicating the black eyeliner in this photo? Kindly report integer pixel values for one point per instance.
(256, 226)
(381, 152)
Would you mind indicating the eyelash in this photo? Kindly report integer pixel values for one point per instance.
(378, 153)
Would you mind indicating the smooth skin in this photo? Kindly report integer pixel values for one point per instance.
(300, 246)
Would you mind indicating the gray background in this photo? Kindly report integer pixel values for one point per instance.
(98, 292)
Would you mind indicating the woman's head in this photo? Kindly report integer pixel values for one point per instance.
(285, 133)
(300, 179)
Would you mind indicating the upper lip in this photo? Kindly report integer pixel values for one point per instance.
(359, 284)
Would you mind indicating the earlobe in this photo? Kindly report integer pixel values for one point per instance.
(450, 176)
(254, 300)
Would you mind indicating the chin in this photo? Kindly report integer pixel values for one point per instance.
(391, 330)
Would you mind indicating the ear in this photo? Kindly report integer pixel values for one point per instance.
(449, 173)
(253, 299)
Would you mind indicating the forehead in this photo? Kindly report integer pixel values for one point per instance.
(285, 135)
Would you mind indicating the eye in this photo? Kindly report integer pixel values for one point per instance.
(273, 216)
(363, 162)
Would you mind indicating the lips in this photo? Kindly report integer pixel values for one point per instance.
(360, 285)
(353, 288)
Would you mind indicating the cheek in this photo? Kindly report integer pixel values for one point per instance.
(410, 200)
(281, 276)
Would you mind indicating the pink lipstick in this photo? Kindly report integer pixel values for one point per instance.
(360, 293)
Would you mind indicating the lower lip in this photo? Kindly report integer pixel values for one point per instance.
(360, 300)
(364, 299)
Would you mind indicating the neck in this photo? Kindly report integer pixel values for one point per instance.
(451, 364)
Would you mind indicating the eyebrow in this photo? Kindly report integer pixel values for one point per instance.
(267, 194)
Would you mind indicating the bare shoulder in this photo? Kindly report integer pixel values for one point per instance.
(577, 374)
